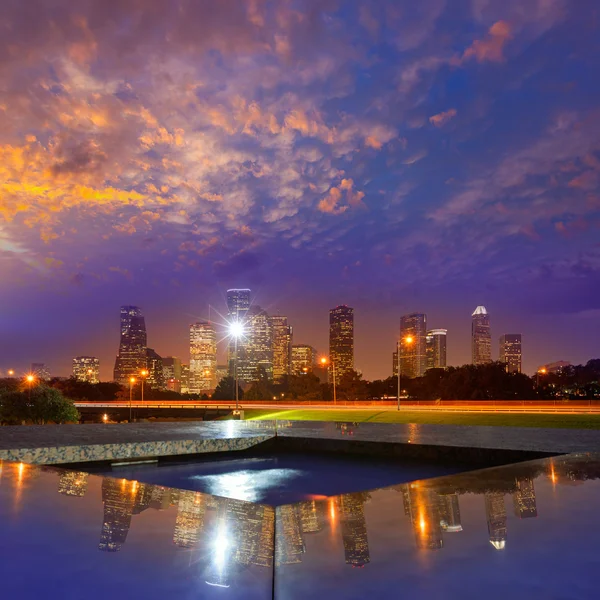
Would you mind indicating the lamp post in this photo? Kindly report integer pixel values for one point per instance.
(324, 362)
(236, 330)
(541, 371)
(131, 382)
(408, 340)
(144, 374)
(30, 379)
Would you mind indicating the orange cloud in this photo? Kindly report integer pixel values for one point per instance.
(491, 47)
(331, 202)
(442, 118)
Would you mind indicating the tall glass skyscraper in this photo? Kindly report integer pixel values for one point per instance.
(203, 357)
(238, 303)
(132, 346)
(481, 337)
(282, 347)
(341, 339)
(436, 348)
(255, 354)
(413, 353)
(510, 352)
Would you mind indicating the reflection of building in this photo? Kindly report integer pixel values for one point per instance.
(40, 371)
(282, 347)
(510, 352)
(435, 342)
(312, 515)
(251, 528)
(172, 373)
(86, 368)
(413, 349)
(495, 512)
(160, 498)
(238, 303)
(190, 519)
(222, 546)
(481, 337)
(524, 499)
(289, 545)
(118, 501)
(73, 483)
(154, 364)
(424, 507)
(351, 509)
(256, 351)
(303, 358)
(449, 513)
(341, 339)
(131, 358)
(203, 357)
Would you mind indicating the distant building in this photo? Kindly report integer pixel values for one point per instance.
(495, 511)
(118, 509)
(524, 499)
(185, 378)
(238, 304)
(304, 358)
(154, 366)
(190, 519)
(131, 358)
(413, 345)
(481, 337)
(203, 357)
(435, 342)
(172, 373)
(222, 372)
(40, 371)
(86, 368)
(73, 483)
(395, 363)
(354, 528)
(341, 340)
(256, 353)
(510, 352)
(282, 347)
(555, 367)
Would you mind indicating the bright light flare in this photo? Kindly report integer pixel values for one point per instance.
(236, 329)
(323, 360)
(30, 378)
(409, 339)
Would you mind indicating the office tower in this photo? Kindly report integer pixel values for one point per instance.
(481, 337)
(251, 528)
(282, 347)
(142, 496)
(86, 368)
(118, 508)
(255, 355)
(495, 512)
(341, 340)
(413, 350)
(73, 483)
(190, 519)
(524, 498)
(354, 528)
(185, 378)
(289, 544)
(311, 518)
(435, 342)
(154, 366)
(238, 304)
(510, 352)
(172, 373)
(40, 371)
(395, 363)
(131, 358)
(203, 357)
(449, 513)
(222, 372)
(303, 359)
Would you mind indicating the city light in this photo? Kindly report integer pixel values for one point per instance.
(30, 378)
(323, 360)
(11, 372)
(409, 339)
(105, 418)
(132, 380)
(144, 373)
(236, 329)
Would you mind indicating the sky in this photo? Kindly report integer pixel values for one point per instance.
(395, 156)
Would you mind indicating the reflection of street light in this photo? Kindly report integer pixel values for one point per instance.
(131, 382)
(324, 362)
(407, 340)
(236, 331)
(144, 374)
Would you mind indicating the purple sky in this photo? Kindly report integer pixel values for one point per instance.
(394, 156)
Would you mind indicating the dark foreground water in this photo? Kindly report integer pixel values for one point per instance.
(284, 478)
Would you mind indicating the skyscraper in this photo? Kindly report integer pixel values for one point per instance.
(341, 340)
(132, 346)
(238, 303)
(413, 353)
(495, 511)
(289, 543)
(40, 370)
(86, 368)
(450, 513)
(510, 352)
(303, 357)
(185, 379)
(203, 357)
(255, 354)
(354, 528)
(481, 337)
(118, 508)
(172, 373)
(524, 499)
(282, 347)
(190, 519)
(436, 348)
(154, 365)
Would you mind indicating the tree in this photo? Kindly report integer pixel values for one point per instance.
(259, 390)
(226, 390)
(352, 386)
(304, 387)
(43, 405)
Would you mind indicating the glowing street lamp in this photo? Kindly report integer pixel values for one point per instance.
(408, 340)
(11, 372)
(131, 382)
(30, 379)
(144, 373)
(324, 362)
(541, 371)
(236, 331)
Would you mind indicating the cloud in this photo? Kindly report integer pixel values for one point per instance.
(331, 203)
(491, 47)
(442, 118)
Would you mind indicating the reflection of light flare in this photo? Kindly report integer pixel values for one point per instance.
(20, 473)
(134, 487)
(332, 514)
(553, 477)
(123, 484)
(221, 545)
(422, 524)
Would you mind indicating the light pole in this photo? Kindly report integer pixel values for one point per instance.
(541, 371)
(30, 379)
(324, 362)
(131, 382)
(144, 374)
(408, 340)
(236, 330)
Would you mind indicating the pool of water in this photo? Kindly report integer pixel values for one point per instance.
(282, 478)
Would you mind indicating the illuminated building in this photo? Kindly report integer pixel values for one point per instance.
(524, 499)
(481, 337)
(185, 378)
(311, 518)
(190, 519)
(118, 509)
(154, 366)
(73, 483)
(160, 498)
(172, 373)
(303, 359)
(203, 357)
(341, 340)
(351, 509)
(222, 372)
(289, 545)
(251, 530)
(131, 359)
(435, 343)
(556, 367)
(495, 512)
(510, 352)
(256, 352)
(424, 509)
(40, 371)
(282, 347)
(86, 368)
(413, 345)
(238, 304)
(449, 513)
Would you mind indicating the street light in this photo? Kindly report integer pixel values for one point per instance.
(11, 372)
(324, 362)
(407, 340)
(131, 382)
(30, 379)
(236, 331)
(144, 374)
(541, 371)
